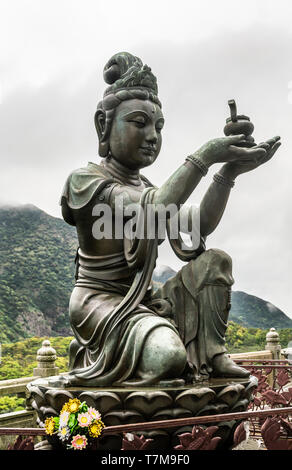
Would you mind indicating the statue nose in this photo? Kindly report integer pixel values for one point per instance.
(151, 135)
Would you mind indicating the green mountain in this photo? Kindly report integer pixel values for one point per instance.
(36, 273)
(251, 311)
(37, 254)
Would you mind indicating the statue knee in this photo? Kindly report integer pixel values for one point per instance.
(164, 355)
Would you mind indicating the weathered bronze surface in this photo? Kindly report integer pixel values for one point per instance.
(127, 335)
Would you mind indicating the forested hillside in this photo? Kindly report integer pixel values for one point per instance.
(36, 273)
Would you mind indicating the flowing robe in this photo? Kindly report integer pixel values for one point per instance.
(113, 308)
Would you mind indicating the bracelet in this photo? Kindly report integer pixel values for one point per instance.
(199, 164)
(222, 180)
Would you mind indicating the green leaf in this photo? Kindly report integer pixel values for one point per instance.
(83, 407)
(72, 420)
(57, 421)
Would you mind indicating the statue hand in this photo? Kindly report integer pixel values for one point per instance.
(225, 150)
(243, 166)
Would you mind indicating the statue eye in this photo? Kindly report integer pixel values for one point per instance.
(159, 127)
(138, 121)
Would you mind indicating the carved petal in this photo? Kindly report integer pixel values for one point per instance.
(57, 398)
(102, 401)
(172, 413)
(48, 411)
(231, 394)
(241, 405)
(195, 399)
(148, 403)
(213, 409)
(252, 385)
(117, 417)
(37, 395)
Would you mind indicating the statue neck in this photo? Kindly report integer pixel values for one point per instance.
(121, 172)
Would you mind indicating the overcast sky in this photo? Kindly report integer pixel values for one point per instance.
(203, 53)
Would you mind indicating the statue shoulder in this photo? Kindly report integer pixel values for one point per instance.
(92, 170)
(83, 183)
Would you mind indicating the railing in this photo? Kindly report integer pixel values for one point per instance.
(275, 431)
(269, 416)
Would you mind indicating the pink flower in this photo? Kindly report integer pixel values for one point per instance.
(84, 419)
(79, 442)
(95, 414)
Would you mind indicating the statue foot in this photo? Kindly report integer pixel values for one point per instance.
(223, 366)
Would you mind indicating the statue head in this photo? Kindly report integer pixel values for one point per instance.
(129, 118)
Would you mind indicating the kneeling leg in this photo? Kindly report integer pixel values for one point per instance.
(164, 356)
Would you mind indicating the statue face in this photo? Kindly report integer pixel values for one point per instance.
(135, 138)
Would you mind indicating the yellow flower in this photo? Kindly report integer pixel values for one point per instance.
(63, 431)
(95, 428)
(50, 425)
(71, 406)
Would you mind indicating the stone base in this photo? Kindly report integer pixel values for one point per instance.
(133, 405)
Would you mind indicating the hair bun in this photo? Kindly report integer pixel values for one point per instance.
(118, 65)
(111, 74)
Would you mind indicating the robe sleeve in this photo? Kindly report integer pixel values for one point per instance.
(81, 186)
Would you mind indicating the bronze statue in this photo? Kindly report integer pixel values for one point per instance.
(126, 334)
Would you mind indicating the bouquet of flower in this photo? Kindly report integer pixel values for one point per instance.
(76, 426)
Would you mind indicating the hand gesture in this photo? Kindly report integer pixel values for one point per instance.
(244, 165)
(225, 150)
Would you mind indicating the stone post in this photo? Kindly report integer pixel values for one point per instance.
(273, 343)
(46, 357)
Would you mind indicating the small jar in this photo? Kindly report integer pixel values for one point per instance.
(239, 124)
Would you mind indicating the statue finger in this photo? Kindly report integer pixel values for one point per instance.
(257, 152)
(273, 140)
(252, 154)
(271, 153)
(264, 145)
(235, 139)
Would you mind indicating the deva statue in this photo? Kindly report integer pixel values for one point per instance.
(126, 333)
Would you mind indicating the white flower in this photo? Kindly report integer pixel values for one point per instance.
(64, 433)
(64, 417)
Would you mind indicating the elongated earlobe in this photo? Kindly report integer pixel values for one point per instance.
(99, 120)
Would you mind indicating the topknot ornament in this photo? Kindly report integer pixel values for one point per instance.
(126, 71)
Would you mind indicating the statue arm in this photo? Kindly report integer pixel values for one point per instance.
(180, 185)
(214, 203)
(175, 190)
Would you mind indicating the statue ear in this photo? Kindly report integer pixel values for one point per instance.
(99, 120)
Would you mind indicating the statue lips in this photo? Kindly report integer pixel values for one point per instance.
(149, 150)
